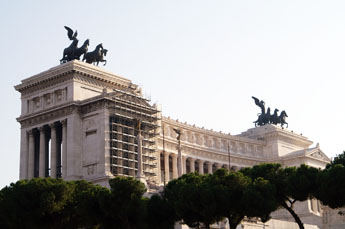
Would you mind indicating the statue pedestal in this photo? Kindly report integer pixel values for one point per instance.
(279, 141)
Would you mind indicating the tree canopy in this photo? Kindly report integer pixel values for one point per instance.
(292, 184)
(194, 199)
(35, 203)
(331, 182)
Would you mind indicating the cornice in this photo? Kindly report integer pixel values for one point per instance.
(209, 151)
(74, 68)
(211, 133)
(49, 114)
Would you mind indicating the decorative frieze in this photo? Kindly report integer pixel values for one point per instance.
(47, 116)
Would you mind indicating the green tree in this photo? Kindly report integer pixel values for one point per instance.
(331, 186)
(193, 200)
(292, 184)
(159, 213)
(123, 206)
(229, 189)
(331, 181)
(237, 196)
(339, 159)
(259, 199)
(85, 200)
(35, 203)
(50, 203)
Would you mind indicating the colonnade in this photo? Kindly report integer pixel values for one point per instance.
(46, 154)
(169, 168)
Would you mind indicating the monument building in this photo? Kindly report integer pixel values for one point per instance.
(79, 121)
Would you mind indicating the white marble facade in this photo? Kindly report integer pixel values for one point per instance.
(67, 131)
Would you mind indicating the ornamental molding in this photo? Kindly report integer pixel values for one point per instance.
(172, 143)
(168, 122)
(317, 154)
(288, 137)
(48, 115)
(76, 70)
(211, 155)
(46, 84)
(93, 106)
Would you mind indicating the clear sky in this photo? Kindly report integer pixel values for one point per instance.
(201, 60)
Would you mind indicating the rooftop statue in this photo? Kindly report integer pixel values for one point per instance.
(96, 55)
(265, 117)
(72, 52)
(178, 132)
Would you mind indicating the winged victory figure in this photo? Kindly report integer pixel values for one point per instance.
(261, 117)
(69, 52)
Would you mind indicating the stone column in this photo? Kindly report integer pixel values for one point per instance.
(53, 151)
(42, 160)
(166, 167)
(201, 167)
(140, 173)
(184, 163)
(209, 167)
(23, 170)
(31, 161)
(179, 160)
(64, 148)
(174, 166)
(192, 165)
(74, 146)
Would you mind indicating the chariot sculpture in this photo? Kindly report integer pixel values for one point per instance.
(265, 116)
(73, 52)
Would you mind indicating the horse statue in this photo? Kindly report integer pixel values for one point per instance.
(81, 50)
(267, 116)
(274, 118)
(96, 56)
(281, 119)
(101, 58)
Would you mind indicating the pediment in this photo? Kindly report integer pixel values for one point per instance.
(318, 154)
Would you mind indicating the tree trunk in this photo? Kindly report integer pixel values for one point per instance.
(234, 221)
(294, 215)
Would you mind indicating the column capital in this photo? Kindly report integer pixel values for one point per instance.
(41, 129)
(52, 125)
(174, 155)
(210, 162)
(64, 122)
(166, 153)
(192, 159)
(30, 132)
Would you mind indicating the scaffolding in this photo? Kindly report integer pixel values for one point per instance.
(124, 110)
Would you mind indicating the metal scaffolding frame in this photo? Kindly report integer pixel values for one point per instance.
(124, 109)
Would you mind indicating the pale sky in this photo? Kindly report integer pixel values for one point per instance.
(201, 60)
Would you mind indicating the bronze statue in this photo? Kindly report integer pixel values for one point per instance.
(72, 52)
(178, 132)
(259, 103)
(274, 118)
(96, 56)
(81, 50)
(265, 117)
(281, 119)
